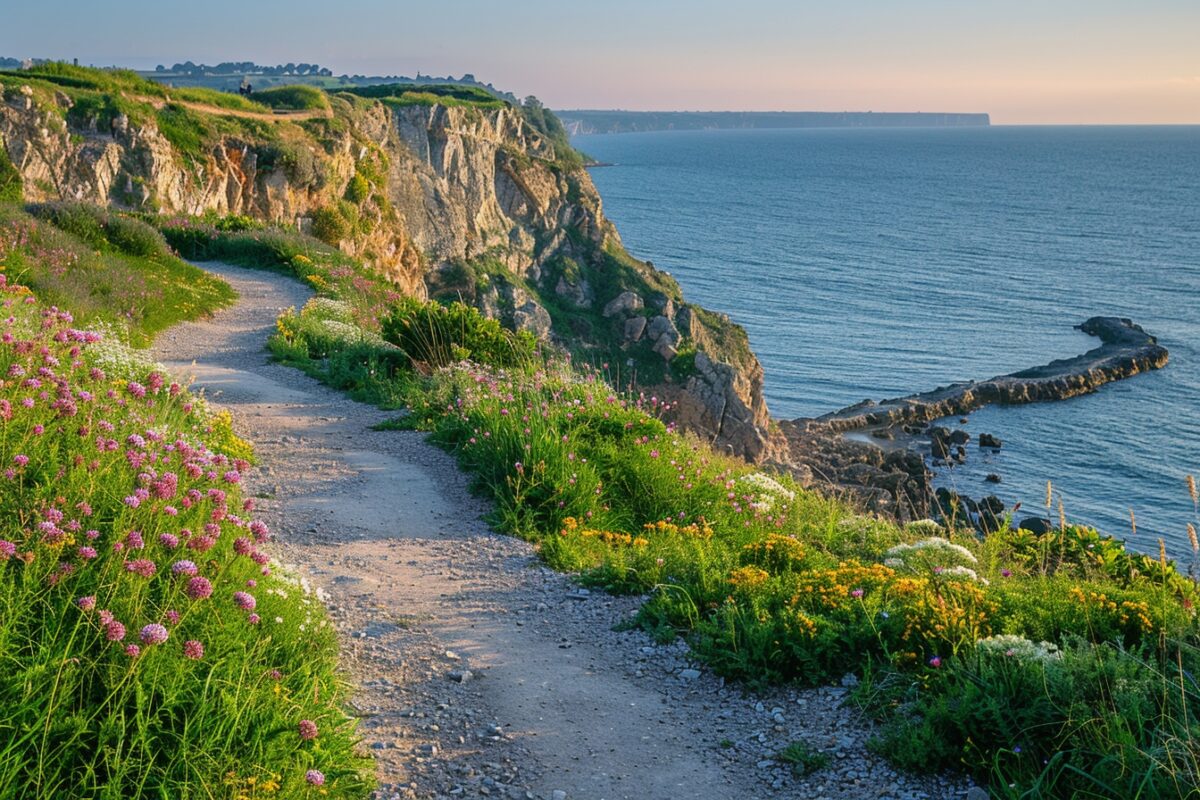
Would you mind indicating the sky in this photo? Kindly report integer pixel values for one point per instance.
(1022, 61)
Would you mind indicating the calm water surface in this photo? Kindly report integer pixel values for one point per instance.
(875, 263)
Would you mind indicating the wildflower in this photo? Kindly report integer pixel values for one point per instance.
(141, 566)
(260, 530)
(132, 650)
(935, 662)
(153, 634)
(308, 729)
(184, 567)
(254, 619)
(244, 600)
(114, 631)
(193, 649)
(87, 603)
(20, 460)
(7, 549)
(315, 777)
(857, 593)
(199, 588)
(172, 616)
(1007, 573)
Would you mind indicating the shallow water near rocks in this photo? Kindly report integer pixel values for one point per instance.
(879, 262)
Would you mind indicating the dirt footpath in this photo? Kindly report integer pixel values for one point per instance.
(480, 673)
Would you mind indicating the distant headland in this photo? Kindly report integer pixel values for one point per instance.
(586, 122)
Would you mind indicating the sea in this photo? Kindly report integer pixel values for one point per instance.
(875, 262)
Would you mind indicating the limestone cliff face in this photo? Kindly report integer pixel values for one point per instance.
(450, 188)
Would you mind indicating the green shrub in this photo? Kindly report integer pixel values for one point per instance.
(329, 225)
(438, 335)
(358, 189)
(1086, 720)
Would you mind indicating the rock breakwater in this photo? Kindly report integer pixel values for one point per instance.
(875, 451)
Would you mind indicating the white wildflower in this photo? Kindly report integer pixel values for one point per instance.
(1018, 647)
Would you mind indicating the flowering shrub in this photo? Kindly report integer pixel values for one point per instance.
(131, 573)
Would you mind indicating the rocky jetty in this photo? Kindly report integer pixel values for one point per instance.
(872, 450)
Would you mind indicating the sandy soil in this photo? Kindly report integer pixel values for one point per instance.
(479, 672)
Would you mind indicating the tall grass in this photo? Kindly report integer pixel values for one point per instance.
(148, 645)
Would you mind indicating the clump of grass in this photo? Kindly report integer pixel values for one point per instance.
(150, 647)
(293, 98)
(802, 758)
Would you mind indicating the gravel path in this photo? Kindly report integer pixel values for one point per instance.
(479, 672)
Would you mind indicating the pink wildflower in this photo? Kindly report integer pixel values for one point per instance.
(308, 729)
(114, 631)
(154, 634)
(193, 649)
(244, 600)
(199, 588)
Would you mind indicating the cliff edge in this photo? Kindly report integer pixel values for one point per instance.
(448, 197)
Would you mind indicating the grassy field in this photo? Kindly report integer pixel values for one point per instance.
(108, 269)
(1058, 664)
(148, 645)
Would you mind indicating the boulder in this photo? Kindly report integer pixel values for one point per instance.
(622, 303)
(634, 328)
(992, 478)
(959, 437)
(665, 346)
(988, 440)
(1036, 525)
(660, 325)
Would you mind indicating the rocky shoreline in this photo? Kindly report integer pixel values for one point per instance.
(876, 451)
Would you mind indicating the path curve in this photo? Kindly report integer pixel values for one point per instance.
(555, 703)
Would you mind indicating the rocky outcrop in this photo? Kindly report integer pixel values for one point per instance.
(854, 450)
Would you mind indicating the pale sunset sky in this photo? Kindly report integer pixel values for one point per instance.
(1023, 61)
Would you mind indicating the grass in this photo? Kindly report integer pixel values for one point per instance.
(293, 98)
(110, 269)
(402, 94)
(130, 665)
(802, 758)
(1059, 662)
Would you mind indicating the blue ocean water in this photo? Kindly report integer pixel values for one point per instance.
(878, 262)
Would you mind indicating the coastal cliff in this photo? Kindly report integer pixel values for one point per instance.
(447, 198)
